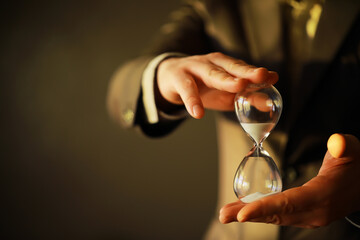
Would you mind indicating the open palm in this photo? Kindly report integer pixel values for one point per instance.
(332, 194)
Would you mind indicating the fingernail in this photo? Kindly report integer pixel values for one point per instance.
(222, 219)
(273, 74)
(241, 217)
(221, 210)
(259, 69)
(273, 77)
(197, 110)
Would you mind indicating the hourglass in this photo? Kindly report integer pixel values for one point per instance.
(258, 109)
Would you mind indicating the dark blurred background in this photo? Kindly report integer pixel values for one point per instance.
(68, 171)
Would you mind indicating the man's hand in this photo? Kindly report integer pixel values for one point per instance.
(209, 81)
(334, 193)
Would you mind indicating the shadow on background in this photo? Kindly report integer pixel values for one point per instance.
(68, 171)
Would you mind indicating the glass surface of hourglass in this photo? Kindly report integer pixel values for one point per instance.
(258, 109)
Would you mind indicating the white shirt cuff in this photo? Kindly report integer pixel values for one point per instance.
(148, 97)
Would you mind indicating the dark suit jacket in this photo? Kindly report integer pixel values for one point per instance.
(326, 100)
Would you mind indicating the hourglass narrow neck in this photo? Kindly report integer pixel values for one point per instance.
(258, 131)
(258, 145)
(258, 151)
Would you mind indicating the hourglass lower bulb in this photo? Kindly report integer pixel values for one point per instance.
(258, 109)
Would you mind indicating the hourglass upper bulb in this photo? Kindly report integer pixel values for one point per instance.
(258, 110)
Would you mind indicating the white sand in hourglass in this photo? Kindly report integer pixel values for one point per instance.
(255, 196)
(258, 130)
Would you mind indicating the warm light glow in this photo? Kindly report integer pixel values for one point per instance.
(312, 23)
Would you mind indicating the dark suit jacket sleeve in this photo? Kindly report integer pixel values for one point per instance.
(185, 33)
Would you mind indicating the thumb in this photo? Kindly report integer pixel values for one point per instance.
(342, 145)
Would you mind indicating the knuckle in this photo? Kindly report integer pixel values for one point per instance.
(195, 57)
(192, 100)
(225, 77)
(187, 83)
(262, 207)
(219, 74)
(215, 55)
(274, 219)
(235, 65)
(288, 206)
(213, 72)
(184, 84)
